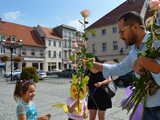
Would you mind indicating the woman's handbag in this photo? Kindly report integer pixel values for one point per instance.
(110, 89)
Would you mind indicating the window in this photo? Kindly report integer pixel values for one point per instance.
(51, 66)
(23, 51)
(103, 31)
(60, 65)
(54, 54)
(49, 42)
(60, 43)
(65, 54)
(32, 52)
(54, 43)
(49, 54)
(60, 54)
(41, 53)
(104, 47)
(114, 29)
(2, 50)
(121, 51)
(69, 33)
(13, 38)
(65, 44)
(14, 50)
(69, 43)
(35, 65)
(115, 45)
(41, 66)
(93, 48)
(2, 37)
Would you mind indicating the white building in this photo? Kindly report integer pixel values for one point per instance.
(106, 43)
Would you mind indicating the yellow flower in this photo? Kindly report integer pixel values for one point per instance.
(74, 92)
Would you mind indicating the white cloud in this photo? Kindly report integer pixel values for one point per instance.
(12, 16)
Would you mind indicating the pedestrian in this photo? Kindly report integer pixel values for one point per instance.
(77, 106)
(24, 93)
(98, 99)
(131, 30)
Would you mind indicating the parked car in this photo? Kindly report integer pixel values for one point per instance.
(42, 74)
(66, 73)
(53, 72)
(15, 74)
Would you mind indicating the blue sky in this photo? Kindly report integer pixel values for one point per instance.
(51, 13)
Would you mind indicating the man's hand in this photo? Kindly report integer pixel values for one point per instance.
(146, 63)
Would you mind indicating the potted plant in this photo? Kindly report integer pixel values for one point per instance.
(29, 73)
(17, 59)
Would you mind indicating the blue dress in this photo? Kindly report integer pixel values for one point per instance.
(28, 109)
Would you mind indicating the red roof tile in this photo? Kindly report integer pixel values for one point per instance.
(21, 32)
(49, 33)
(112, 17)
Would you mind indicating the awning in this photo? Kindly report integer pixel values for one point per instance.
(2, 64)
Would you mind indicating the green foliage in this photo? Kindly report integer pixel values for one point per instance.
(89, 64)
(80, 53)
(29, 73)
(72, 58)
(4, 58)
(17, 59)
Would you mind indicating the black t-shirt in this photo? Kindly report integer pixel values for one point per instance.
(94, 78)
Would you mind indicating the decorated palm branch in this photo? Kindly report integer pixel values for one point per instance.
(78, 89)
(145, 85)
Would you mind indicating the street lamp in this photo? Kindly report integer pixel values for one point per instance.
(11, 45)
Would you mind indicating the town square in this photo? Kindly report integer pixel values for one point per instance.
(80, 60)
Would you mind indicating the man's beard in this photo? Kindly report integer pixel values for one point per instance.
(132, 41)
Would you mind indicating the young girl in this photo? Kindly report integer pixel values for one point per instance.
(24, 93)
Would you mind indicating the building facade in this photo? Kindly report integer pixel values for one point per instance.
(32, 51)
(104, 40)
(53, 48)
(68, 35)
(44, 48)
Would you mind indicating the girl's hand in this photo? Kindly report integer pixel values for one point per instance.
(45, 117)
(98, 84)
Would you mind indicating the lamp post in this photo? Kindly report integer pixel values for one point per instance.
(11, 45)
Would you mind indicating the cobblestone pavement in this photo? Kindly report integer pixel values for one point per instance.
(50, 91)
